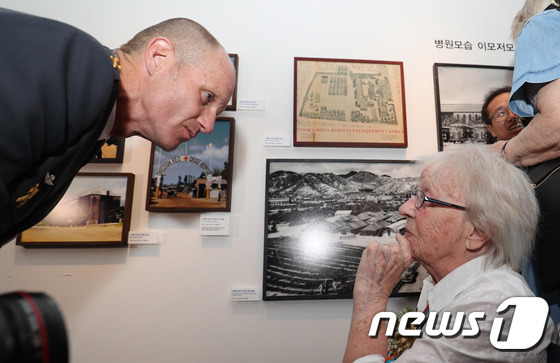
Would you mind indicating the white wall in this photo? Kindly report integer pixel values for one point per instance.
(170, 302)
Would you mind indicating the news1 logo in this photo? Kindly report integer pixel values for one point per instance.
(527, 326)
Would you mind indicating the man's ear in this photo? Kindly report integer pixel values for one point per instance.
(476, 240)
(158, 51)
(491, 130)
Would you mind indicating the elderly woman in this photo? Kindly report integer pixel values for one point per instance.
(470, 224)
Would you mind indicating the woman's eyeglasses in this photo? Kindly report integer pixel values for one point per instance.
(421, 198)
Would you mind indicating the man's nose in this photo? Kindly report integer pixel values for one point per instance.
(206, 121)
(510, 115)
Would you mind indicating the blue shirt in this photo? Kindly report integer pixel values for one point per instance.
(537, 61)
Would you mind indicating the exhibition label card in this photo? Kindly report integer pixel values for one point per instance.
(214, 224)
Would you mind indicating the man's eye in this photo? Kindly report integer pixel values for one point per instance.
(208, 97)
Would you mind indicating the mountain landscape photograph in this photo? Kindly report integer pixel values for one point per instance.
(321, 214)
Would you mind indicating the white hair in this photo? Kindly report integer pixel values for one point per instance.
(529, 9)
(499, 198)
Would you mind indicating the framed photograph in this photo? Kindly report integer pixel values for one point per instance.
(459, 94)
(111, 152)
(232, 104)
(94, 212)
(349, 103)
(195, 177)
(321, 214)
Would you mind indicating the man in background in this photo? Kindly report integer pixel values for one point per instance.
(62, 94)
(497, 116)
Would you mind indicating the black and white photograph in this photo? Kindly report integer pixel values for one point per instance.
(460, 90)
(321, 214)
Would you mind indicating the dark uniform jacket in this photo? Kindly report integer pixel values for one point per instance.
(58, 86)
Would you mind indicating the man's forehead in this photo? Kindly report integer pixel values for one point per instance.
(227, 81)
(500, 100)
(216, 73)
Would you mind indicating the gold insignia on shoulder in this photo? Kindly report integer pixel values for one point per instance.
(30, 194)
(116, 62)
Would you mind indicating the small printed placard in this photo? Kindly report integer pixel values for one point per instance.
(214, 224)
(276, 141)
(250, 105)
(245, 295)
(143, 238)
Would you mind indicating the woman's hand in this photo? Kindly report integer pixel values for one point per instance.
(381, 267)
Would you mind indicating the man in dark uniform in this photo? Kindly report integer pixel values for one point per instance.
(62, 94)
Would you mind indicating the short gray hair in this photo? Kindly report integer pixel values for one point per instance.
(499, 198)
(529, 9)
(190, 40)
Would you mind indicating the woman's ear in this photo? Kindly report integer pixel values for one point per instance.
(476, 240)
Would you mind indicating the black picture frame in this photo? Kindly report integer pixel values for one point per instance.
(112, 152)
(321, 214)
(232, 104)
(459, 94)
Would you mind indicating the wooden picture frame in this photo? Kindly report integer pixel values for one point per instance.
(95, 211)
(459, 92)
(232, 104)
(112, 152)
(321, 214)
(195, 177)
(349, 103)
